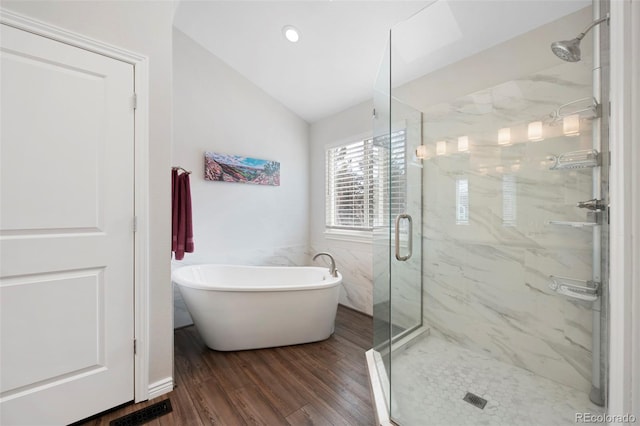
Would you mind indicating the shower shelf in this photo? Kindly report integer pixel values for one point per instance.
(572, 224)
(593, 218)
(576, 289)
(575, 160)
(585, 108)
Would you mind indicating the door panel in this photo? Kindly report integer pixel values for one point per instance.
(52, 355)
(66, 237)
(66, 187)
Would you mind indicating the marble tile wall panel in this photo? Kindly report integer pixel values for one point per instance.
(406, 285)
(381, 267)
(297, 255)
(486, 281)
(354, 261)
(406, 290)
(541, 195)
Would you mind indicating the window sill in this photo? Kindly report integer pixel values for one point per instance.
(349, 235)
(361, 236)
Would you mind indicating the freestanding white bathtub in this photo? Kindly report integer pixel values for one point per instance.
(251, 307)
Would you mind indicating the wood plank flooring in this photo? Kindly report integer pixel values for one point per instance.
(323, 383)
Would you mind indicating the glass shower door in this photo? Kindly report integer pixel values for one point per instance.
(506, 282)
(382, 233)
(405, 188)
(405, 193)
(397, 242)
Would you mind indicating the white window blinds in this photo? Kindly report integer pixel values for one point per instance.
(357, 182)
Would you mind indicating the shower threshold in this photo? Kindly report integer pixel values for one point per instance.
(378, 378)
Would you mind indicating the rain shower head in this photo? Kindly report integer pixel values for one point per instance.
(569, 50)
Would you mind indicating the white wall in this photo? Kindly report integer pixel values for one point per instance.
(216, 109)
(145, 28)
(353, 259)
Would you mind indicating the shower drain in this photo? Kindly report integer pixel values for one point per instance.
(475, 400)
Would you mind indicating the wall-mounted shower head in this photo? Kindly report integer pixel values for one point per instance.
(569, 50)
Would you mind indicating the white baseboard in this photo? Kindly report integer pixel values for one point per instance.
(160, 387)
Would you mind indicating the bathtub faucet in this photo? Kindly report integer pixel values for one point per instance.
(332, 269)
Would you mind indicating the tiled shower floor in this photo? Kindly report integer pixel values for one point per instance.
(431, 377)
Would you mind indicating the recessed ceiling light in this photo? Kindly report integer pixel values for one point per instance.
(291, 33)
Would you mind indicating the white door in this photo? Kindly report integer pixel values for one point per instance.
(66, 237)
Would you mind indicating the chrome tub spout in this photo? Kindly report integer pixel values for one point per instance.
(332, 268)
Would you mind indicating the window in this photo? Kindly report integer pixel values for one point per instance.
(357, 182)
(462, 201)
(509, 197)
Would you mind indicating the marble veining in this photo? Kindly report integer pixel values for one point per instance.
(356, 268)
(295, 255)
(486, 282)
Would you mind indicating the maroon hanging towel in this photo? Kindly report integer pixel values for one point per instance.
(182, 238)
(188, 220)
(174, 209)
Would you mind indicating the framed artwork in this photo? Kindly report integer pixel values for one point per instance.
(235, 168)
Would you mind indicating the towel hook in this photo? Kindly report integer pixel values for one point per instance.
(181, 168)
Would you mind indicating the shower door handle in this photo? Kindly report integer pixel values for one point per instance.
(410, 240)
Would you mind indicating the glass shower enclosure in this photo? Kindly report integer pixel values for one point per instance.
(490, 274)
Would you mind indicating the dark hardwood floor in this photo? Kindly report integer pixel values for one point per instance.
(323, 383)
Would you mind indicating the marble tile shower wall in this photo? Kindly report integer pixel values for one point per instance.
(405, 287)
(405, 292)
(486, 275)
(353, 260)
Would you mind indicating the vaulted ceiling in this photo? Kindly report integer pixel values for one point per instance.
(335, 63)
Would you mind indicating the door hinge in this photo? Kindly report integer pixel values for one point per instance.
(135, 349)
(135, 101)
(135, 224)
